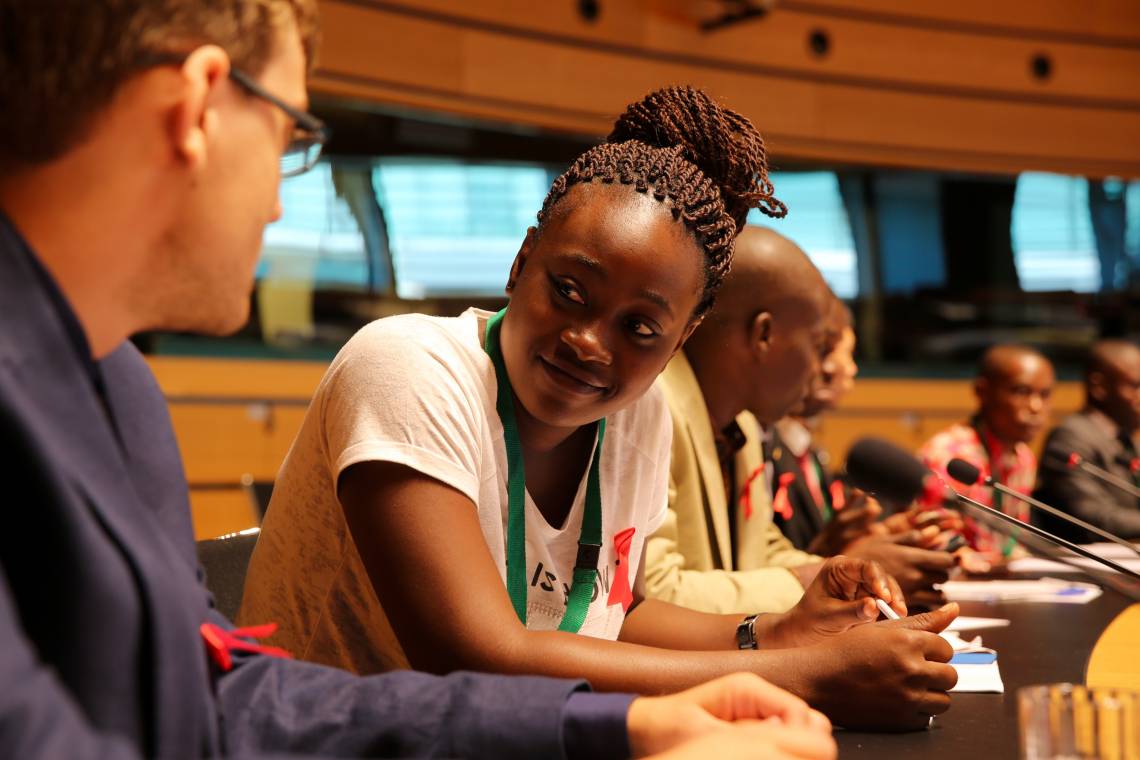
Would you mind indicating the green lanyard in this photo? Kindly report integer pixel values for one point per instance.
(590, 539)
(828, 507)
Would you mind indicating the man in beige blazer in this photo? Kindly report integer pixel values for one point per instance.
(751, 361)
(718, 550)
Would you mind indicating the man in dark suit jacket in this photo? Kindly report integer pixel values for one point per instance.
(815, 510)
(135, 183)
(1100, 436)
(800, 511)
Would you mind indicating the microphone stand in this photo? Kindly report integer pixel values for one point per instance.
(1041, 533)
(1003, 488)
(1108, 477)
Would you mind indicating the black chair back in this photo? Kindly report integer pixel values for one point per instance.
(258, 492)
(225, 560)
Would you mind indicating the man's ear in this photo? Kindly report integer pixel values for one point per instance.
(981, 387)
(521, 257)
(195, 119)
(760, 334)
(1095, 386)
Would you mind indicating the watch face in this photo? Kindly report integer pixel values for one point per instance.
(746, 633)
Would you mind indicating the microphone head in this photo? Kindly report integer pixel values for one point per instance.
(884, 470)
(963, 471)
(1132, 463)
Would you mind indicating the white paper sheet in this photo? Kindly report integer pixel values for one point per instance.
(1053, 590)
(967, 623)
(979, 678)
(1110, 550)
(974, 677)
(1040, 565)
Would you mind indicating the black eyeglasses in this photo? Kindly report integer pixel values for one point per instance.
(309, 133)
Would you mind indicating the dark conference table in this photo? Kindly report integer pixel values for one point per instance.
(1044, 643)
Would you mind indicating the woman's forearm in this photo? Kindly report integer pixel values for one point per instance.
(656, 623)
(624, 666)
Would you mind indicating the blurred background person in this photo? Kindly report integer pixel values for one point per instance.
(1101, 436)
(1014, 387)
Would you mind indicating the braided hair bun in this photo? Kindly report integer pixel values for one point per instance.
(707, 164)
(723, 144)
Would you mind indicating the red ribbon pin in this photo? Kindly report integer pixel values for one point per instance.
(620, 592)
(781, 504)
(220, 643)
(838, 497)
(746, 492)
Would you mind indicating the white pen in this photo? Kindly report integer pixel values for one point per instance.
(885, 608)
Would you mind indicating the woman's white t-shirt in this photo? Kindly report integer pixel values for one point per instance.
(420, 391)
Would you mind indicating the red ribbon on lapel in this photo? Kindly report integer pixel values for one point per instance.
(620, 592)
(220, 643)
(781, 504)
(746, 492)
(838, 498)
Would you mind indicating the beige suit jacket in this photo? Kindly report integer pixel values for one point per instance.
(689, 560)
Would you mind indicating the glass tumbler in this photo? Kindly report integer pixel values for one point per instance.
(1065, 720)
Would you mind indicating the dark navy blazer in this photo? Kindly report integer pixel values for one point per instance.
(101, 597)
(806, 521)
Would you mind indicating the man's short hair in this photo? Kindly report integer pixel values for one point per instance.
(1104, 355)
(61, 61)
(995, 361)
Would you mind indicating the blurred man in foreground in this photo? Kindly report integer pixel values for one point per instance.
(141, 151)
(1014, 388)
(1101, 438)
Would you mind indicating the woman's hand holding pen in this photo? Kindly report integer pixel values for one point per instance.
(841, 596)
(892, 675)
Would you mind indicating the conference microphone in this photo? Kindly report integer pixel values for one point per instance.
(969, 474)
(882, 468)
(888, 473)
(1076, 460)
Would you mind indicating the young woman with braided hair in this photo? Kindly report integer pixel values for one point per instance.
(443, 459)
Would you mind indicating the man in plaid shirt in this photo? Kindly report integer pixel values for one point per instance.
(1013, 387)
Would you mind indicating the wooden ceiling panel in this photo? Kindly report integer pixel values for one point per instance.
(492, 71)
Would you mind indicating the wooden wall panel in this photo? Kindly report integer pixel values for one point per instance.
(235, 417)
(219, 512)
(232, 418)
(909, 412)
(900, 95)
(193, 377)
